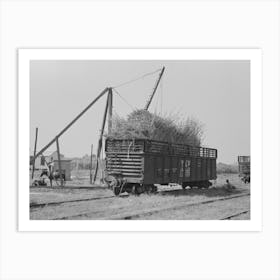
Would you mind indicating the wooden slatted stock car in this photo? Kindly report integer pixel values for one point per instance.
(244, 168)
(137, 165)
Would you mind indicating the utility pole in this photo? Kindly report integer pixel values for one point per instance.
(35, 147)
(59, 161)
(90, 170)
(101, 138)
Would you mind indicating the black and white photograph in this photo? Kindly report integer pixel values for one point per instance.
(139, 139)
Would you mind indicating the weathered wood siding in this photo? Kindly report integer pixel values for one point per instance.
(154, 162)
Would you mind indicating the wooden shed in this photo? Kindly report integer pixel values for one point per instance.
(65, 167)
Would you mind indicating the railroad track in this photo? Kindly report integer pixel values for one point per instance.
(235, 215)
(67, 187)
(136, 214)
(56, 203)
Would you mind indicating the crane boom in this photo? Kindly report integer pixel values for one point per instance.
(69, 125)
(154, 90)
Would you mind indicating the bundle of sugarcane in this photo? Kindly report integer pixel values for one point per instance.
(146, 125)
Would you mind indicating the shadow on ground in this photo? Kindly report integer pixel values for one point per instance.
(212, 192)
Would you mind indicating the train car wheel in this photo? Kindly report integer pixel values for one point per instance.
(148, 188)
(204, 184)
(154, 189)
(116, 190)
(128, 188)
(138, 189)
(207, 184)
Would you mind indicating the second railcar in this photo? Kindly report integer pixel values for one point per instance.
(137, 165)
(244, 168)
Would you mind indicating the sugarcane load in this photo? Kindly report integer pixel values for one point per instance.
(146, 150)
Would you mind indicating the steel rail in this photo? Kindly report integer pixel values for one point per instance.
(235, 215)
(56, 203)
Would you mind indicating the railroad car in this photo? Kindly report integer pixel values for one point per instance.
(244, 168)
(137, 165)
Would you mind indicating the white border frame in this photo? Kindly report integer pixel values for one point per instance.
(254, 55)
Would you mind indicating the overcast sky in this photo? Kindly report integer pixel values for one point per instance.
(217, 93)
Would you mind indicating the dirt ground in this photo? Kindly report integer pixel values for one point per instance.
(83, 201)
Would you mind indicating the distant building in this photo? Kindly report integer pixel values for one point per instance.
(65, 167)
(42, 161)
(65, 164)
(53, 156)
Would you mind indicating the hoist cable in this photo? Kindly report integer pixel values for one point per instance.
(136, 79)
(123, 99)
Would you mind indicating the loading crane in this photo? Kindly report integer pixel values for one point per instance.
(154, 90)
(107, 113)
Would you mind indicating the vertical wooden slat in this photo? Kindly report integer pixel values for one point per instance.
(35, 147)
